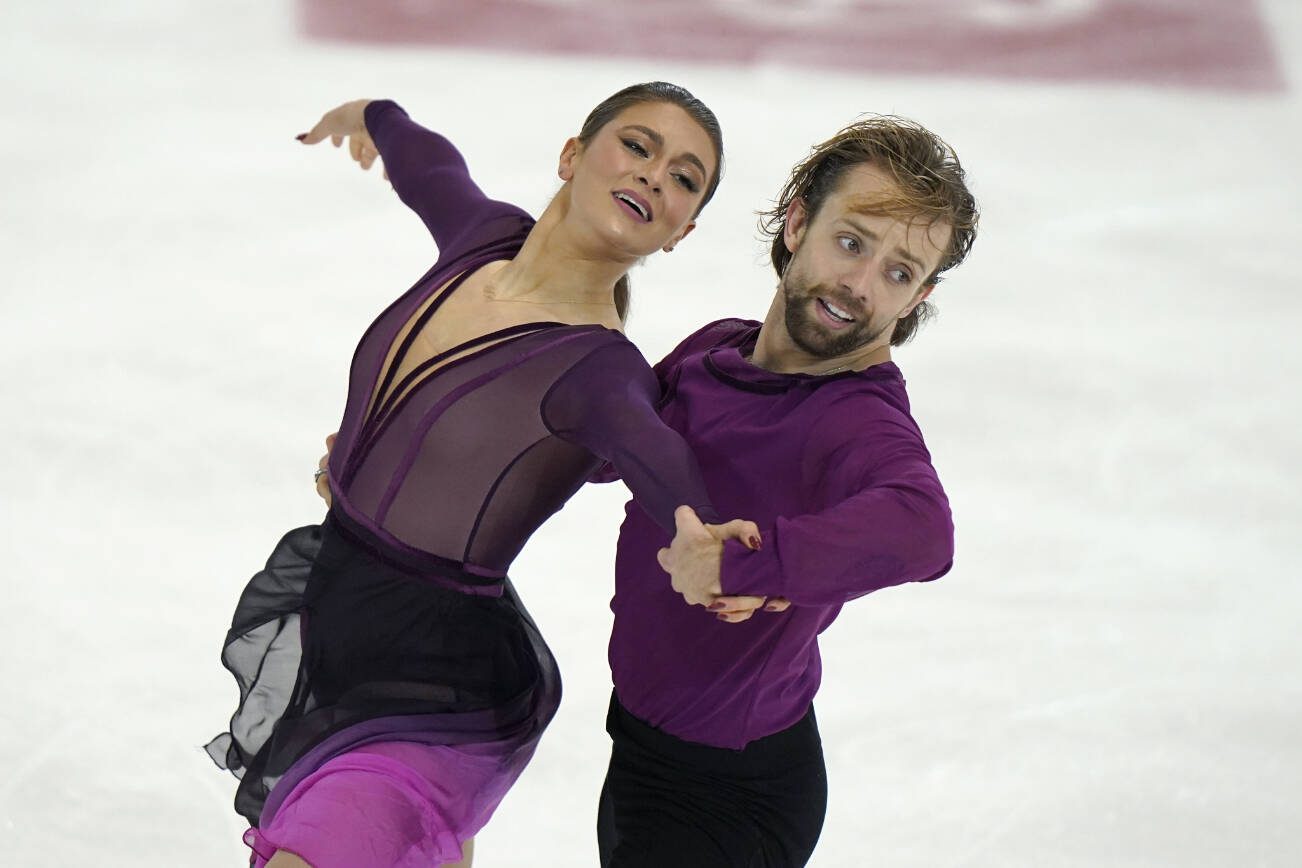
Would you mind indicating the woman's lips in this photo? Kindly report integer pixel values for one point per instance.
(634, 204)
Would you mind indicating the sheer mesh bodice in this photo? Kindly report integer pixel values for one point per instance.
(457, 462)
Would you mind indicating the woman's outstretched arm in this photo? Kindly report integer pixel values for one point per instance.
(427, 171)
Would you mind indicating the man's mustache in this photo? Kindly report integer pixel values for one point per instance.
(840, 298)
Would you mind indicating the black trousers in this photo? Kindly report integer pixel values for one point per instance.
(668, 802)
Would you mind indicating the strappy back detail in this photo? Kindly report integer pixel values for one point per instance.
(388, 398)
(419, 433)
(375, 421)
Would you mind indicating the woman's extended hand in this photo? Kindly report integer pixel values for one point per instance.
(737, 609)
(347, 121)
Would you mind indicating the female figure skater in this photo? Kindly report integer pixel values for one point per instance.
(384, 726)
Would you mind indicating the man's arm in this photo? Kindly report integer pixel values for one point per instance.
(886, 522)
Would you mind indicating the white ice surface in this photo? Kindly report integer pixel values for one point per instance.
(1109, 676)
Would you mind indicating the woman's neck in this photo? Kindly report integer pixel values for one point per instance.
(555, 268)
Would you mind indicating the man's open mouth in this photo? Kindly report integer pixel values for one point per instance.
(835, 312)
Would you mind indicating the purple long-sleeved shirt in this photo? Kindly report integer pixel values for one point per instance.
(835, 472)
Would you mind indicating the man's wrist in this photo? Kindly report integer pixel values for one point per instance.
(744, 572)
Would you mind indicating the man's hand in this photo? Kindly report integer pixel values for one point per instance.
(347, 121)
(322, 476)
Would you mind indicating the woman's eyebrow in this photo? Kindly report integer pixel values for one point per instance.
(660, 143)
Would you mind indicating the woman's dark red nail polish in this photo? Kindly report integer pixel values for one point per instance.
(301, 136)
(715, 605)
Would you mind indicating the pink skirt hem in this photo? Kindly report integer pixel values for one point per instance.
(391, 805)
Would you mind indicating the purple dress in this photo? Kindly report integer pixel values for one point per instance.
(393, 686)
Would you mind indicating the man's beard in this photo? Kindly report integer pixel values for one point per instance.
(813, 337)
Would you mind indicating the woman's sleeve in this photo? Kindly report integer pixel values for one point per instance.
(428, 173)
(666, 371)
(606, 402)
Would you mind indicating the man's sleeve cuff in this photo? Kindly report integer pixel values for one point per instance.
(744, 572)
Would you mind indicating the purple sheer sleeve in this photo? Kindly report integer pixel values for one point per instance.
(606, 402)
(885, 520)
(429, 174)
(666, 371)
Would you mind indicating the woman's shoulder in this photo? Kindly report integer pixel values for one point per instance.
(725, 332)
(498, 233)
(605, 355)
(604, 344)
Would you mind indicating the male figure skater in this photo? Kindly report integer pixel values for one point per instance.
(801, 424)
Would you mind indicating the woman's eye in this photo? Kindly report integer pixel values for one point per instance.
(635, 147)
(688, 184)
(850, 245)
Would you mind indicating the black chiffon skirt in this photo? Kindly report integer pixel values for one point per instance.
(334, 646)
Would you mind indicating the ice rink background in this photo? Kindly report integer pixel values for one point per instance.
(1108, 677)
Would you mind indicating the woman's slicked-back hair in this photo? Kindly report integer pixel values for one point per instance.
(930, 186)
(656, 91)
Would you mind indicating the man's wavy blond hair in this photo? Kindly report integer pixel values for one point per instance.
(930, 186)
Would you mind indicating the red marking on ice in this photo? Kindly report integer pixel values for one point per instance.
(1194, 43)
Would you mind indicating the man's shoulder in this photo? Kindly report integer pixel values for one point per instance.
(881, 384)
(721, 333)
(874, 397)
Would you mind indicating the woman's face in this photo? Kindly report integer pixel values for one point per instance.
(638, 183)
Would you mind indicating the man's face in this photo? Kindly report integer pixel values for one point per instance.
(854, 274)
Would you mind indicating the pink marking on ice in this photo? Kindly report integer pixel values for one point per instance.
(1219, 44)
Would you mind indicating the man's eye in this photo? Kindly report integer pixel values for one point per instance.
(850, 245)
(901, 275)
(635, 147)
